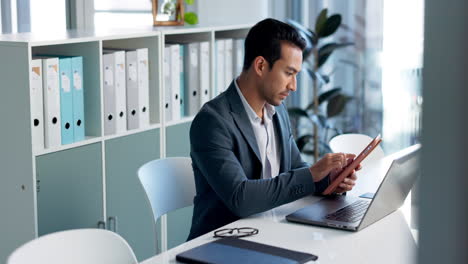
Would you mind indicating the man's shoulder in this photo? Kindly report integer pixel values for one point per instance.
(216, 109)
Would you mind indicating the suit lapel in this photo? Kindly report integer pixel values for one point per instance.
(241, 119)
(283, 135)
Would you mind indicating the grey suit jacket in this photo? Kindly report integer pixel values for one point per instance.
(227, 165)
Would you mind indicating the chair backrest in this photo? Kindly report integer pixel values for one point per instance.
(169, 184)
(355, 143)
(91, 246)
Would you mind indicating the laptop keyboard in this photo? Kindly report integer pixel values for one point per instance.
(350, 213)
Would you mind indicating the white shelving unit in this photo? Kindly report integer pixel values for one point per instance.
(92, 183)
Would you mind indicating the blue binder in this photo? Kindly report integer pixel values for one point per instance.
(234, 250)
(66, 100)
(78, 98)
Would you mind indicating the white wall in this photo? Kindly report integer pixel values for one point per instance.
(231, 11)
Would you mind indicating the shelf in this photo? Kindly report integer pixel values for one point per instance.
(87, 141)
(180, 121)
(132, 132)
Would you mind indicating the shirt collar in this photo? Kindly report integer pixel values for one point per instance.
(270, 110)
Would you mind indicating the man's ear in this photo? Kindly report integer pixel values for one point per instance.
(260, 65)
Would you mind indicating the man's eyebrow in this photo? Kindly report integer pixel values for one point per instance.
(292, 69)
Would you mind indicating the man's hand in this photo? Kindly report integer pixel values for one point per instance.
(348, 183)
(333, 164)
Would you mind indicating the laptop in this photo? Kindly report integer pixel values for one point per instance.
(352, 213)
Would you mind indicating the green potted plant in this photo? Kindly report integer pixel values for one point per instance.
(315, 55)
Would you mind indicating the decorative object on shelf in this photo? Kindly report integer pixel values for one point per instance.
(168, 12)
(315, 56)
(172, 13)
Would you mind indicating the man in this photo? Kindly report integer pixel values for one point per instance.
(245, 159)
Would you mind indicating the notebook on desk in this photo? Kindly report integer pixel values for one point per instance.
(235, 250)
(355, 213)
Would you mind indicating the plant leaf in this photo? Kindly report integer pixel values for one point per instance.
(308, 35)
(319, 120)
(303, 140)
(297, 112)
(337, 104)
(323, 79)
(189, 2)
(326, 50)
(321, 21)
(331, 25)
(191, 18)
(323, 97)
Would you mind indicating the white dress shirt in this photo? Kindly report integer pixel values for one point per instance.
(267, 140)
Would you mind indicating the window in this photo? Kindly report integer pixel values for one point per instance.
(122, 13)
(48, 15)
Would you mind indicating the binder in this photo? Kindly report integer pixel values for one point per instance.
(182, 81)
(51, 94)
(192, 102)
(143, 86)
(231, 250)
(78, 99)
(167, 84)
(133, 108)
(175, 81)
(120, 86)
(219, 71)
(204, 77)
(109, 94)
(66, 100)
(228, 70)
(238, 57)
(37, 106)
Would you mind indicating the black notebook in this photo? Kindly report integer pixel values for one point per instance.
(235, 250)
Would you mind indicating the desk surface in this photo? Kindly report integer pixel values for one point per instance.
(386, 241)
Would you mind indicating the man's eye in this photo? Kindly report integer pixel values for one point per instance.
(289, 73)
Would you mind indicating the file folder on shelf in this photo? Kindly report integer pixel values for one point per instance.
(109, 94)
(204, 83)
(143, 86)
(120, 86)
(182, 81)
(238, 56)
(192, 102)
(175, 81)
(78, 99)
(220, 67)
(228, 70)
(133, 106)
(66, 100)
(167, 84)
(37, 106)
(51, 94)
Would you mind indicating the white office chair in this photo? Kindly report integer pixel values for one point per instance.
(78, 246)
(355, 143)
(169, 184)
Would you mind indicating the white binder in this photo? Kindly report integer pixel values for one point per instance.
(238, 58)
(109, 94)
(219, 70)
(175, 81)
(120, 92)
(204, 59)
(167, 84)
(192, 102)
(51, 94)
(133, 106)
(228, 70)
(37, 106)
(143, 86)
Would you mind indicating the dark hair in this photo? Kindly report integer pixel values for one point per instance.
(264, 39)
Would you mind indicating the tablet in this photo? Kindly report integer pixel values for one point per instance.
(353, 165)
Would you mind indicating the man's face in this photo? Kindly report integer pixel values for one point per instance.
(279, 81)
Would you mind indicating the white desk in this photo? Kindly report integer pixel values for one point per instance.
(386, 241)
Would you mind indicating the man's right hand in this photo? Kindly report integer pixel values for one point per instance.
(328, 163)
